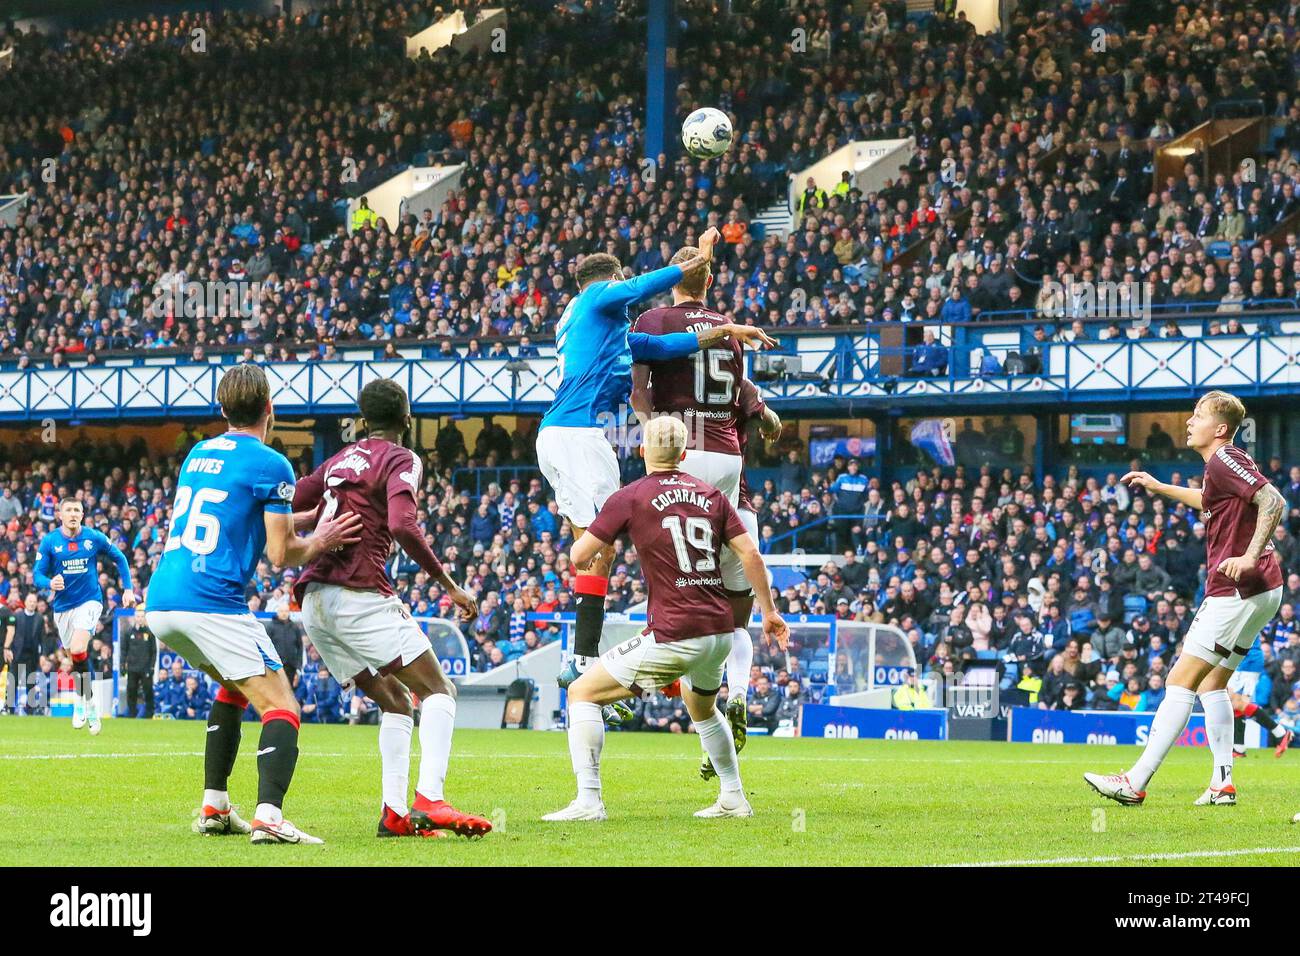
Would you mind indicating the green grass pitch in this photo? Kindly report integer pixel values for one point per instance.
(817, 802)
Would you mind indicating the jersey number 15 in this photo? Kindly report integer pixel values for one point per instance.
(709, 370)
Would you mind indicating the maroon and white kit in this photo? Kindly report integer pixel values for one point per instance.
(1233, 612)
(678, 525)
(352, 616)
(708, 391)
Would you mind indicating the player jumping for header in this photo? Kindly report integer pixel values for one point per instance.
(362, 629)
(710, 394)
(68, 564)
(676, 523)
(1243, 590)
(232, 500)
(573, 450)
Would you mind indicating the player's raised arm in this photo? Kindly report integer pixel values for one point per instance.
(1141, 479)
(630, 291)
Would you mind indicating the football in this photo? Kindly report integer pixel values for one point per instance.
(706, 134)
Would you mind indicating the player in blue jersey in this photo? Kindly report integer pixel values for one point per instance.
(1241, 691)
(573, 449)
(67, 563)
(233, 499)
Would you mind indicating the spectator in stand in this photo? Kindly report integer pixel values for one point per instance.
(930, 357)
(287, 635)
(139, 656)
(665, 714)
(195, 703)
(1153, 695)
(764, 703)
(169, 691)
(321, 698)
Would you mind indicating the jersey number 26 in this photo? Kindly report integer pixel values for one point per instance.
(201, 530)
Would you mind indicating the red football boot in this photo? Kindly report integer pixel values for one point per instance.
(430, 816)
(392, 825)
(1283, 743)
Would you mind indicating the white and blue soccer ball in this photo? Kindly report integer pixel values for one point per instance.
(706, 134)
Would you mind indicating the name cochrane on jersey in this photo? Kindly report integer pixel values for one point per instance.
(680, 496)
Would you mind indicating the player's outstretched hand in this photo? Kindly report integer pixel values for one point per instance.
(751, 335)
(340, 531)
(1236, 567)
(708, 240)
(128, 598)
(466, 606)
(774, 626)
(56, 583)
(1140, 479)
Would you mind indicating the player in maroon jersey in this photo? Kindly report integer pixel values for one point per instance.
(363, 632)
(677, 524)
(1243, 590)
(708, 391)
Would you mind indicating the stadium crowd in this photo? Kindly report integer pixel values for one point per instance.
(225, 156)
(153, 156)
(1077, 590)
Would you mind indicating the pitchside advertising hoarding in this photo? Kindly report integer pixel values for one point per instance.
(860, 723)
(1032, 726)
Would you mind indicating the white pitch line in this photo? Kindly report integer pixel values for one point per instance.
(93, 755)
(1190, 855)
(558, 755)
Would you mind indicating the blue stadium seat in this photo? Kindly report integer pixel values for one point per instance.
(1134, 604)
(819, 672)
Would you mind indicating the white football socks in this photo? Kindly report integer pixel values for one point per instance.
(395, 756)
(216, 799)
(437, 721)
(739, 661)
(586, 741)
(1219, 731)
(1170, 721)
(715, 736)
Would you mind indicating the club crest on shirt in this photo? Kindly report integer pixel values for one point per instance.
(1205, 517)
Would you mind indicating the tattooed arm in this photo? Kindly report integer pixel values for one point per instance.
(1271, 506)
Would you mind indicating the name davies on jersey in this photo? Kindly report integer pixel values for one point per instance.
(206, 466)
(681, 496)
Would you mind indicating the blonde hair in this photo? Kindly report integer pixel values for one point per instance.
(693, 283)
(1226, 408)
(664, 440)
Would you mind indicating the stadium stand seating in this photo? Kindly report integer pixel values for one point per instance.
(144, 163)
